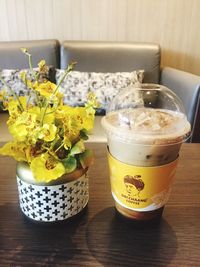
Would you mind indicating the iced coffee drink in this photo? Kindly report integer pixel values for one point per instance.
(145, 129)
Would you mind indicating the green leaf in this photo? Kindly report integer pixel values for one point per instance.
(77, 148)
(84, 134)
(86, 158)
(70, 164)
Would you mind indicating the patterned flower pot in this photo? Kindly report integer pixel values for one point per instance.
(55, 201)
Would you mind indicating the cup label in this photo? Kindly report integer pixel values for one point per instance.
(141, 188)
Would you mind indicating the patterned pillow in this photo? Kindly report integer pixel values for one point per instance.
(13, 80)
(77, 85)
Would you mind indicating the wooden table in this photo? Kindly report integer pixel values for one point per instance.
(99, 237)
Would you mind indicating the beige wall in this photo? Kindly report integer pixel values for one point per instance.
(174, 24)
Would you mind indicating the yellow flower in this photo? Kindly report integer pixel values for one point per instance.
(35, 85)
(92, 101)
(46, 89)
(48, 132)
(86, 118)
(67, 142)
(61, 112)
(15, 106)
(23, 76)
(45, 168)
(29, 153)
(71, 130)
(74, 120)
(43, 68)
(35, 110)
(3, 95)
(23, 126)
(49, 117)
(41, 64)
(81, 118)
(15, 150)
(58, 99)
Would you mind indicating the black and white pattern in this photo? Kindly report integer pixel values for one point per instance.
(53, 202)
(77, 85)
(12, 78)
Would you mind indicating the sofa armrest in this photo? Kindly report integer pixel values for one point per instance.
(187, 87)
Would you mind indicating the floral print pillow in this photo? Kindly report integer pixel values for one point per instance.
(77, 85)
(12, 80)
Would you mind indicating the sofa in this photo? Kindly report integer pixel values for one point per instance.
(107, 57)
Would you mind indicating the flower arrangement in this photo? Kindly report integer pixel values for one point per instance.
(47, 134)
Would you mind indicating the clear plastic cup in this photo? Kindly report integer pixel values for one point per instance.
(145, 127)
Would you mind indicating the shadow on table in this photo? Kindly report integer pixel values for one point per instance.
(35, 244)
(115, 241)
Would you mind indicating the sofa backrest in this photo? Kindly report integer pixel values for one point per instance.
(95, 56)
(11, 56)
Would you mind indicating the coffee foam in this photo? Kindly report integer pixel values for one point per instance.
(147, 125)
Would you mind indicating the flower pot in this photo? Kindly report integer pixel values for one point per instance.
(55, 201)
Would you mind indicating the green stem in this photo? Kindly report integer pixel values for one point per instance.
(51, 152)
(30, 61)
(24, 50)
(51, 111)
(13, 92)
(69, 68)
(54, 142)
(61, 145)
(29, 98)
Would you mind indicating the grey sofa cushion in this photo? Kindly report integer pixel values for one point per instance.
(95, 56)
(11, 56)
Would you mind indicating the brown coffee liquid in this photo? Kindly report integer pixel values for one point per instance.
(139, 215)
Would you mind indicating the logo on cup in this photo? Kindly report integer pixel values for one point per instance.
(134, 184)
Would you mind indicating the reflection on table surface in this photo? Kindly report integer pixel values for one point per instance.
(99, 236)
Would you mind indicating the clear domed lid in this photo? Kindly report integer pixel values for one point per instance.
(147, 112)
